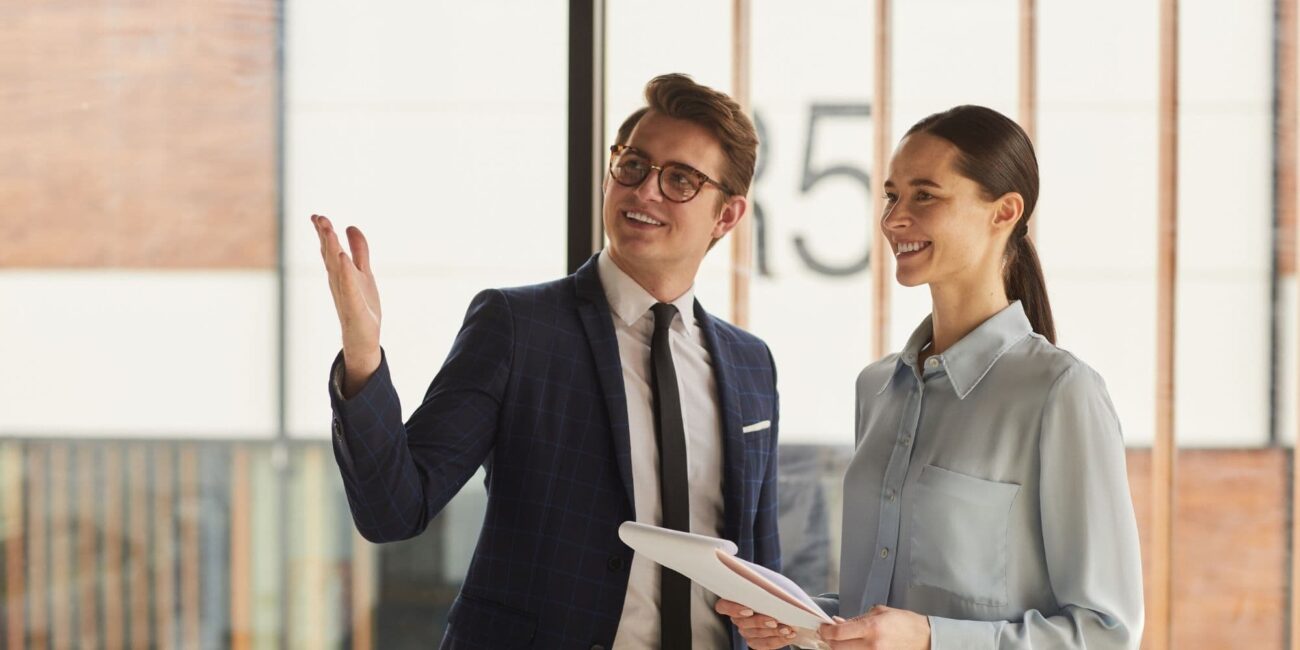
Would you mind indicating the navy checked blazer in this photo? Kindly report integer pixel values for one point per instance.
(533, 391)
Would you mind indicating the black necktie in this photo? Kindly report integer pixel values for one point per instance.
(670, 435)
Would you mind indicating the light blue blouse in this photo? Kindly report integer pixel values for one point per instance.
(989, 492)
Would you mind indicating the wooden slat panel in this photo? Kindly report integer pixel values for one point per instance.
(241, 540)
(138, 540)
(189, 513)
(881, 257)
(89, 482)
(12, 473)
(37, 558)
(164, 547)
(60, 549)
(114, 532)
(138, 134)
(363, 592)
(309, 566)
(270, 589)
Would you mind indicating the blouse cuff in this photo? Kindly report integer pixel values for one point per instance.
(952, 634)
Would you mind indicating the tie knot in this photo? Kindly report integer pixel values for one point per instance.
(663, 315)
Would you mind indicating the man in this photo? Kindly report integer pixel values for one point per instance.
(603, 397)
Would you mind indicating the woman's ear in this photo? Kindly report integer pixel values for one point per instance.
(1010, 207)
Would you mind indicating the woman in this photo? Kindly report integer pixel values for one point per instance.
(987, 504)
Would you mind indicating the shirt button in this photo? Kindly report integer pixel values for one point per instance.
(907, 440)
(932, 362)
(884, 553)
(891, 495)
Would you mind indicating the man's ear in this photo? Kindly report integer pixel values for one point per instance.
(733, 210)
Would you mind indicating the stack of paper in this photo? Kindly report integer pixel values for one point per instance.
(713, 564)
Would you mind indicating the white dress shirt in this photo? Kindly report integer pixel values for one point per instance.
(634, 326)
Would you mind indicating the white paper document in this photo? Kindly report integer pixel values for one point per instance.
(712, 563)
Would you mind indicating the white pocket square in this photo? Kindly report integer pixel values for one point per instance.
(757, 426)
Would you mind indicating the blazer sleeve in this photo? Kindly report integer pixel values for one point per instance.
(399, 476)
(1089, 534)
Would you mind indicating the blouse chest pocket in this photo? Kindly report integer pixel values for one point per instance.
(959, 541)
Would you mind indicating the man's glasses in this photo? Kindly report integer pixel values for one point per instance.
(677, 182)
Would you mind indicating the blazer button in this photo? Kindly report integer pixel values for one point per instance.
(614, 565)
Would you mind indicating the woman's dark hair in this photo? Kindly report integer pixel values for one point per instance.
(997, 154)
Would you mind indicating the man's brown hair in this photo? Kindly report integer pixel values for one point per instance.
(679, 97)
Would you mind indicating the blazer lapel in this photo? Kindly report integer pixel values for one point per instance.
(733, 442)
(593, 309)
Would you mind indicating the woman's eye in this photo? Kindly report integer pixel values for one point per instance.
(924, 196)
(890, 197)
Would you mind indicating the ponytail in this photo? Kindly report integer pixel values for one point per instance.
(1023, 280)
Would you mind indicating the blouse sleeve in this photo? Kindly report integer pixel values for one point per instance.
(1089, 533)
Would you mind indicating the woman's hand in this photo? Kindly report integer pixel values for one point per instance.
(882, 628)
(760, 632)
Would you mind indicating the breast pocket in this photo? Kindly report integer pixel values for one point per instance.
(959, 535)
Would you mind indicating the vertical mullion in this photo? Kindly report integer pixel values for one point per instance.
(1284, 264)
(1164, 452)
(586, 128)
(1029, 78)
(880, 255)
(742, 238)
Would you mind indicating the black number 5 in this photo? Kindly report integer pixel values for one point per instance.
(813, 176)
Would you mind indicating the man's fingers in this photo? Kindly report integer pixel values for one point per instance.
(731, 608)
(318, 222)
(349, 276)
(360, 248)
(329, 243)
(756, 622)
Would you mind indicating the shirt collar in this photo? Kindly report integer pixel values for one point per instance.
(971, 358)
(630, 302)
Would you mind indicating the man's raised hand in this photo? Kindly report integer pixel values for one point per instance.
(356, 299)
